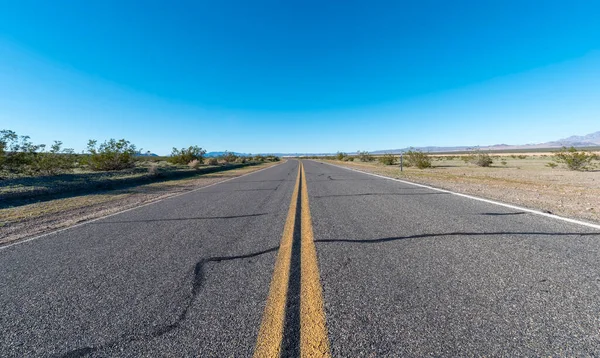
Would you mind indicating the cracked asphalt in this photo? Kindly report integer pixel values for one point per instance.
(405, 271)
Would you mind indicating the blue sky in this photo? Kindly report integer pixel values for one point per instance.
(299, 76)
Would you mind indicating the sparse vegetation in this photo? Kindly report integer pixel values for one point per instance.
(185, 156)
(479, 158)
(387, 159)
(418, 159)
(575, 159)
(229, 157)
(18, 155)
(213, 161)
(365, 156)
(551, 165)
(526, 182)
(341, 155)
(194, 164)
(111, 155)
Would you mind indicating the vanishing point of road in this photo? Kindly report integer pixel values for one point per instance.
(306, 259)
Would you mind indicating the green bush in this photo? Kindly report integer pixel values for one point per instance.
(416, 158)
(574, 159)
(57, 160)
(111, 155)
(187, 155)
(387, 159)
(341, 155)
(365, 156)
(480, 158)
(273, 158)
(18, 155)
(229, 157)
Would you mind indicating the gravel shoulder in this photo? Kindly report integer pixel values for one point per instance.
(524, 182)
(28, 220)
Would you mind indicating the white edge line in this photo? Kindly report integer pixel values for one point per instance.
(573, 221)
(130, 209)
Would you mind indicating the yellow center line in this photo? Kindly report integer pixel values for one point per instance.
(270, 335)
(314, 341)
(313, 329)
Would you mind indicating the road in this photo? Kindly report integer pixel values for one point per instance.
(306, 259)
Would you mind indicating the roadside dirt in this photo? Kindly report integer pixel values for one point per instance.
(528, 183)
(24, 221)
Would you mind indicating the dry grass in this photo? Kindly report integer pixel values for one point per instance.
(28, 220)
(526, 182)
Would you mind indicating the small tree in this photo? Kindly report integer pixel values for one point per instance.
(574, 159)
(387, 159)
(416, 158)
(187, 155)
(111, 155)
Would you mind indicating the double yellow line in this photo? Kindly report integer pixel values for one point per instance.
(313, 330)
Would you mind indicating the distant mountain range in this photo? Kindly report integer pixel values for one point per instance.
(588, 140)
(218, 154)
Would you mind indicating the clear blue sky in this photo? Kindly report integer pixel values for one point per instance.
(300, 76)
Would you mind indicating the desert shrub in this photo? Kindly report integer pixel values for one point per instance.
(521, 156)
(184, 156)
(153, 170)
(416, 158)
(18, 155)
(194, 164)
(365, 156)
(241, 160)
(258, 158)
(348, 159)
(387, 159)
(4, 134)
(504, 162)
(228, 157)
(213, 161)
(272, 158)
(340, 155)
(551, 165)
(55, 161)
(574, 159)
(480, 158)
(111, 155)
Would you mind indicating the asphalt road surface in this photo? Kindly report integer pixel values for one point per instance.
(306, 260)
